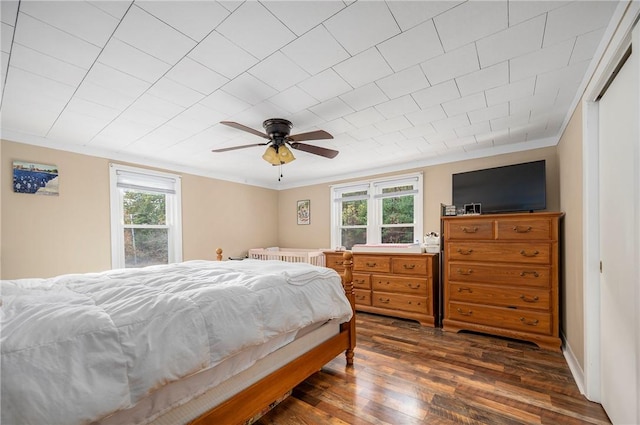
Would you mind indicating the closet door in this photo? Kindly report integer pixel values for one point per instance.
(619, 252)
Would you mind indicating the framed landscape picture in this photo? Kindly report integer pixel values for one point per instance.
(37, 179)
(304, 212)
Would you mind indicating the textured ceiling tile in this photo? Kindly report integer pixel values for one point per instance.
(470, 21)
(195, 19)
(332, 109)
(294, 99)
(363, 68)
(403, 82)
(9, 12)
(364, 118)
(362, 25)
(586, 46)
(492, 112)
(219, 54)
(172, 91)
(77, 18)
(54, 42)
(562, 25)
(411, 13)
(486, 78)
(302, 16)
(538, 62)
(279, 72)
(316, 50)
(325, 85)
(520, 11)
(416, 45)
(450, 65)
(512, 91)
(248, 88)
(46, 66)
(364, 97)
(427, 115)
(222, 101)
(399, 106)
(437, 94)
(132, 61)
(246, 28)
(465, 104)
(514, 41)
(149, 34)
(196, 76)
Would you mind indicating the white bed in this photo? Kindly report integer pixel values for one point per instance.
(166, 344)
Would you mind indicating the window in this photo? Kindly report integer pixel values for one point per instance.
(379, 211)
(146, 224)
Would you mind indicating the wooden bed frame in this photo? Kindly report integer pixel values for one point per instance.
(254, 399)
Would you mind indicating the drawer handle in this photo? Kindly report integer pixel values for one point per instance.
(469, 290)
(464, 251)
(468, 313)
(531, 272)
(529, 300)
(522, 229)
(339, 263)
(371, 264)
(384, 300)
(530, 323)
(526, 254)
(360, 297)
(409, 266)
(413, 286)
(465, 273)
(359, 281)
(473, 229)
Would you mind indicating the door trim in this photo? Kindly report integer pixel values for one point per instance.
(627, 14)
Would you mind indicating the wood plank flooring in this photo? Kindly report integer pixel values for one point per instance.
(408, 374)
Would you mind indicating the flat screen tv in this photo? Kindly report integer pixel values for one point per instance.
(512, 188)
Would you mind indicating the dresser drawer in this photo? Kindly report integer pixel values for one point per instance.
(532, 229)
(411, 266)
(334, 261)
(365, 263)
(506, 252)
(519, 275)
(405, 285)
(401, 302)
(519, 320)
(362, 297)
(469, 229)
(361, 281)
(519, 298)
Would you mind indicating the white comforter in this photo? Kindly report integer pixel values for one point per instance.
(77, 347)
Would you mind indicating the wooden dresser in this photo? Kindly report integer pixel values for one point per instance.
(400, 285)
(501, 276)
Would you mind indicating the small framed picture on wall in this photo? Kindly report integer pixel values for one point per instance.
(304, 212)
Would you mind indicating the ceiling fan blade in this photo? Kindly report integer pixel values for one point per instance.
(317, 150)
(232, 148)
(312, 135)
(245, 128)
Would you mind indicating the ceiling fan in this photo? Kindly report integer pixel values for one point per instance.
(277, 133)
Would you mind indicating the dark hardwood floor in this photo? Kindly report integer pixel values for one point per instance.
(408, 374)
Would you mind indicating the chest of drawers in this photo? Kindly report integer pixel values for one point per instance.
(400, 285)
(500, 276)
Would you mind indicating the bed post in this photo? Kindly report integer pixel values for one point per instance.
(219, 254)
(348, 290)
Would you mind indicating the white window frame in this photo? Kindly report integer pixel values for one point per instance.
(147, 181)
(374, 199)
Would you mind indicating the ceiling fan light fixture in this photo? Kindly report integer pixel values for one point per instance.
(285, 155)
(271, 156)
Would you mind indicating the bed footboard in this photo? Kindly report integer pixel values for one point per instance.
(254, 399)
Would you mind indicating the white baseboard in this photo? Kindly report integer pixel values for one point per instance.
(574, 365)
